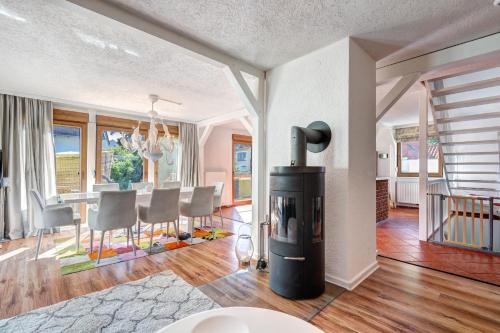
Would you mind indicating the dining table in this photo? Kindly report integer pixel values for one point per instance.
(143, 197)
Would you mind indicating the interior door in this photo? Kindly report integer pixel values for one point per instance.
(242, 169)
(70, 140)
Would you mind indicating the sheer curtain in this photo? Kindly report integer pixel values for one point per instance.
(29, 160)
(188, 137)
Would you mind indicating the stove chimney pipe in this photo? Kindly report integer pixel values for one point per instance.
(315, 138)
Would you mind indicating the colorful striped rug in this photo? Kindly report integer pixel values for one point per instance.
(118, 251)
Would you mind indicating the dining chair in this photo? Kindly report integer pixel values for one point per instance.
(52, 217)
(201, 204)
(142, 186)
(116, 211)
(106, 187)
(219, 187)
(164, 207)
(169, 185)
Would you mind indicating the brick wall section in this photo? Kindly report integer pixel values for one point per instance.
(382, 200)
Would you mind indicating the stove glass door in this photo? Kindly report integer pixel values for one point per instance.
(317, 219)
(284, 222)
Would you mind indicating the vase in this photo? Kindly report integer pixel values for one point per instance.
(244, 250)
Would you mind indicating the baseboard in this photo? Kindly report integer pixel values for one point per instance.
(355, 281)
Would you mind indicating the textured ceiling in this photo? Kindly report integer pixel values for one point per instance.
(267, 33)
(56, 49)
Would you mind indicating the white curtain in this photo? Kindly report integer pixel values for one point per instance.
(29, 160)
(188, 138)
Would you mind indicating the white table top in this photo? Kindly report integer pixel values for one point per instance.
(240, 320)
(93, 197)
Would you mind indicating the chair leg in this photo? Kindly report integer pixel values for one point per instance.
(100, 247)
(151, 238)
(77, 237)
(110, 234)
(138, 233)
(38, 243)
(132, 236)
(192, 228)
(221, 218)
(211, 223)
(176, 228)
(128, 236)
(91, 240)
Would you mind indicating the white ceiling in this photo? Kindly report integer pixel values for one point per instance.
(267, 33)
(234, 125)
(55, 49)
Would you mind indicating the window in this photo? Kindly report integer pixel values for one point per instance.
(408, 159)
(167, 166)
(117, 164)
(67, 140)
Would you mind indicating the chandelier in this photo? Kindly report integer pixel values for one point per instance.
(153, 146)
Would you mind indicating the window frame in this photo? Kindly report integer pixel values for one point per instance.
(77, 120)
(416, 174)
(155, 178)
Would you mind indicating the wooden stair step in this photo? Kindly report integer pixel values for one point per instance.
(474, 181)
(467, 103)
(466, 87)
(478, 142)
(472, 153)
(474, 188)
(471, 163)
(474, 172)
(471, 130)
(479, 116)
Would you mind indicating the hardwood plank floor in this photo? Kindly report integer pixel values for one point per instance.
(400, 297)
(397, 297)
(251, 288)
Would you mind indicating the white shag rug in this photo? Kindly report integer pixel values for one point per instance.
(144, 305)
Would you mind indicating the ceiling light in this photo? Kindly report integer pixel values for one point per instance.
(153, 146)
(10, 15)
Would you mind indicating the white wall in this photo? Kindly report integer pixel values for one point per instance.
(335, 84)
(218, 156)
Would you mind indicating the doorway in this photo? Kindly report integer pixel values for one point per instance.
(242, 169)
(70, 141)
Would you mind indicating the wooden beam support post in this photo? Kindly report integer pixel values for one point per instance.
(191, 47)
(423, 102)
(395, 93)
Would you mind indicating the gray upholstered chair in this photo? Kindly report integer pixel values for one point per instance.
(52, 217)
(164, 207)
(116, 211)
(106, 187)
(219, 187)
(169, 185)
(142, 186)
(201, 204)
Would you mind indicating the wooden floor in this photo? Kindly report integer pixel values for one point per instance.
(251, 288)
(397, 238)
(397, 297)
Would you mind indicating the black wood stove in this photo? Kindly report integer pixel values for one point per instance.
(297, 192)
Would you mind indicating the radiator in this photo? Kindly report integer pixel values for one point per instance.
(406, 193)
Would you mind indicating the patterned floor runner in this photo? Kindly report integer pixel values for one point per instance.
(144, 305)
(118, 250)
